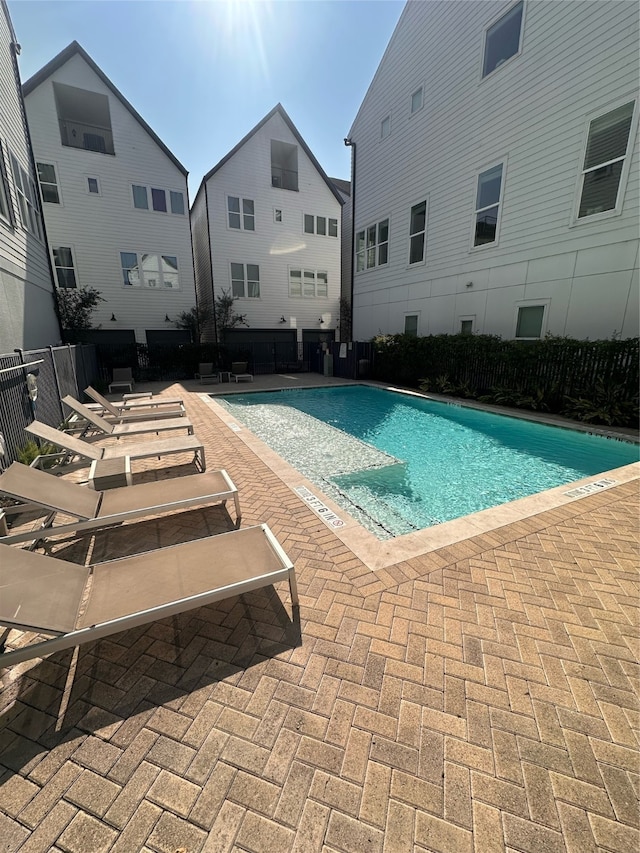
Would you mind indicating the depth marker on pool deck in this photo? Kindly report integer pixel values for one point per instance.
(327, 515)
(590, 488)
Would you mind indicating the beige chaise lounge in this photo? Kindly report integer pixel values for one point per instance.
(134, 450)
(136, 413)
(77, 604)
(92, 508)
(118, 430)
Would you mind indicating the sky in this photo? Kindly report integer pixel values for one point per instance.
(202, 73)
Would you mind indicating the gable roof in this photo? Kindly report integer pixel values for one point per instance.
(278, 109)
(63, 57)
(343, 186)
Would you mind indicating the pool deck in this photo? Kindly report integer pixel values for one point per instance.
(474, 694)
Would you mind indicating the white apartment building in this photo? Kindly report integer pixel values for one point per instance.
(27, 311)
(115, 201)
(266, 225)
(496, 163)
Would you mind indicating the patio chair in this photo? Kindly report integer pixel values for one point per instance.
(122, 377)
(140, 400)
(47, 595)
(120, 415)
(239, 371)
(92, 508)
(206, 373)
(137, 450)
(134, 428)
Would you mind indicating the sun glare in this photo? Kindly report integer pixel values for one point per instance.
(237, 30)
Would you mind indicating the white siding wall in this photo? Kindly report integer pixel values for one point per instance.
(27, 315)
(99, 227)
(531, 114)
(275, 246)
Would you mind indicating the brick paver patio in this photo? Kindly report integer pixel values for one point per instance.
(482, 697)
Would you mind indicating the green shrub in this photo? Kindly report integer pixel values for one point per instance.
(30, 451)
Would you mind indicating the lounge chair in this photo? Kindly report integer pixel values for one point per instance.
(118, 430)
(239, 371)
(92, 508)
(137, 450)
(121, 415)
(47, 595)
(206, 373)
(122, 377)
(140, 400)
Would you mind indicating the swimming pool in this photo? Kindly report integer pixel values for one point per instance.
(400, 463)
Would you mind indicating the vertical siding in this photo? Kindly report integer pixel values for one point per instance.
(99, 227)
(275, 246)
(27, 314)
(531, 114)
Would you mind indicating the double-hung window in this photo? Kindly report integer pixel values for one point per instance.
(502, 40)
(152, 270)
(241, 213)
(372, 246)
(63, 263)
(48, 183)
(417, 232)
(308, 283)
(27, 199)
(488, 198)
(608, 147)
(5, 198)
(245, 281)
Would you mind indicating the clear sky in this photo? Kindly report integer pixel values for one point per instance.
(202, 73)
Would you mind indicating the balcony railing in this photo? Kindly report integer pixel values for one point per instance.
(284, 179)
(89, 137)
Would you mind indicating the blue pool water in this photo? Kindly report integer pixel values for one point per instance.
(402, 463)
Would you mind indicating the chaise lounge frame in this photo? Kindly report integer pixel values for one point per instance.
(121, 415)
(118, 430)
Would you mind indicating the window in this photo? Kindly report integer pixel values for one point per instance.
(309, 223)
(244, 220)
(177, 203)
(27, 199)
(372, 246)
(5, 203)
(159, 200)
(411, 324)
(607, 149)
(308, 283)
(385, 127)
(63, 263)
(416, 101)
(245, 281)
(529, 323)
(284, 165)
(93, 186)
(150, 270)
(417, 231)
(140, 199)
(502, 40)
(277, 214)
(320, 225)
(488, 205)
(48, 183)
(333, 228)
(84, 119)
(466, 327)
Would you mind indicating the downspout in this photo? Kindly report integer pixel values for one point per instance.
(350, 144)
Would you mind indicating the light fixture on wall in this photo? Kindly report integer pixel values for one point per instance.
(167, 319)
(113, 318)
(282, 319)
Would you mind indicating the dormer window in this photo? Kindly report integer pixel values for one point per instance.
(84, 119)
(284, 165)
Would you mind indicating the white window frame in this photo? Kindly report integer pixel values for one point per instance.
(74, 266)
(241, 200)
(245, 265)
(386, 120)
(415, 314)
(501, 162)
(532, 303)
(149, 191)
(327, 224)
(95, 178)
(184, 204)
(6, 205)
(467, 318)
(27, 204)
(142, 283)
(305, 273)
(420, 90)
(624, 175)
(133, 198)
(423, 260)
(491, 25)
(376, 246)
(55, 183)
(153, 209)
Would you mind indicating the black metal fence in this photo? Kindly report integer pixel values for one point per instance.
(56, 371)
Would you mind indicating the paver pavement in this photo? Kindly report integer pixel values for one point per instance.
(482, 697)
